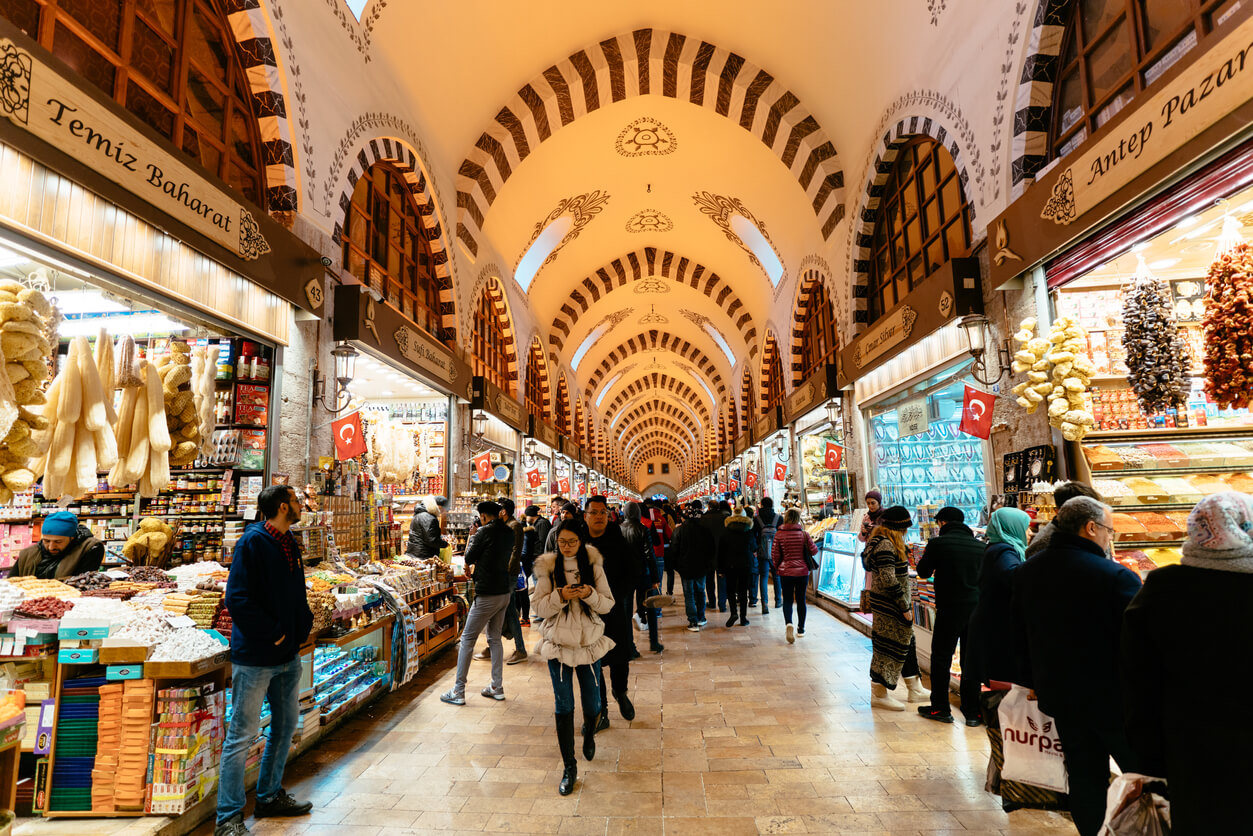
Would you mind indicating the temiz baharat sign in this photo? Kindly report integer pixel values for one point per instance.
(37, 98)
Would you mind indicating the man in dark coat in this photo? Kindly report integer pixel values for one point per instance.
(488, 552)
(640, 538)
(954, 558)
(1068, 609)
(714, 522)
(513, 627)
(692, 549)
(737, 550)
(620, 563)
(65, 549)
(424, 539)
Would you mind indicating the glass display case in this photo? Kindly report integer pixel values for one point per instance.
(940, 465)
(821, 485)
(840, 574)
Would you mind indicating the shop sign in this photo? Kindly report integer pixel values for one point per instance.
(544, 432)
(912, 417)
(488, 396)
(417, 348)
(768, 423)
(820, 386)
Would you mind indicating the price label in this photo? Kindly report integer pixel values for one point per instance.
(179, 621)
(117, 574)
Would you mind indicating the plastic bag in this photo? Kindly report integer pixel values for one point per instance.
(1029, 741)
(1131, 809)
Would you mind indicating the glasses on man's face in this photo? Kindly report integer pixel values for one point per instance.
(568, 544)
(1108, 528)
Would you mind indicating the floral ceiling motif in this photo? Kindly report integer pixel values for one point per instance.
(645, 137)
(720, 209)
(649, 220)
(582, 208)
(653, 318)
(652, 285)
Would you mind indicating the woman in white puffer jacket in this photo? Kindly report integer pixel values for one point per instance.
(571, 594)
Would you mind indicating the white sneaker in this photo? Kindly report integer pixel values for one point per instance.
(791, 634)
(639, 623)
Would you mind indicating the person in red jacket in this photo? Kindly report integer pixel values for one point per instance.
(792, 545)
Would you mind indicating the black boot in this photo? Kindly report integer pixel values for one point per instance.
(624, 705)
(565, 739)
(589, 737)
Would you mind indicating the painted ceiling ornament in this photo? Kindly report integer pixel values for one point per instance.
(649, 220)
(652, 285)
(646, 137)
(696, 318)
(652, 317)
(720, 209)
(582, 208)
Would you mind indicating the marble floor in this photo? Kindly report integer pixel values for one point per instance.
(736, 732)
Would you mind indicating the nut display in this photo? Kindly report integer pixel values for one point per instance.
(1157, 357)
(148, 574)
(89, 580)
(1228, 327)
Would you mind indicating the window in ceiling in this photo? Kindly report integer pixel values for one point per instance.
(1114, 49)
(490, 348)
(751, 235)
(356, 7)
(541, 248)
(386, 246)
(722, 344)
(923, 220)
(608, 386)
(590, 341)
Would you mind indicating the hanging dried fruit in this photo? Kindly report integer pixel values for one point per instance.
(1229, 328)
(1157, 358)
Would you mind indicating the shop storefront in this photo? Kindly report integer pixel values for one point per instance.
(773, 443)
(539, 473)
(1144, 271)
(563, 468)
(497, 424)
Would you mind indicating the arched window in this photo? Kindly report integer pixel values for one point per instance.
(536, 382)
(746, 401)
(172, 63)
(817, 342)
(922, 221)
(561, 416)
(386, 246)
(1114, 49)
(773, 373)
(491, 349)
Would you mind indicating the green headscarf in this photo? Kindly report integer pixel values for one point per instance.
(1009, 525)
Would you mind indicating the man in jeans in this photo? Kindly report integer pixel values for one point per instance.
(513, 625)
(489, 551)
(693, 549)
(769, 522)
(270, 619)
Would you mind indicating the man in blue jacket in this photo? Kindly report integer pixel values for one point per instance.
(270, 620)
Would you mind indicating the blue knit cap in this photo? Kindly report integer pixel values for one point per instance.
(61, 524)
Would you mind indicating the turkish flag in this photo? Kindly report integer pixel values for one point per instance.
(483, 466)
(349, 439)
(563, 485)
(780, 471)
(750, 479)
(580, 488)
(977, 412)
(722, 488)
(833, 457)
(533, 478)
(735, 485)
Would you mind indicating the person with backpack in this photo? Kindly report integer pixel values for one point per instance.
(769, 522)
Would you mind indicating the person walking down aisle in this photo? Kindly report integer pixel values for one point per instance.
(513, 627)
(1167, 651)
(572, 595)
(769, 522)
(714, 522)
(425, 541)
(270, 620)
(891, 602)
(736, 552)
(489, 552)
(953, 558)
(1068, 608)
(639, 535)
(791, 545)
(693, 551)
(620, 568)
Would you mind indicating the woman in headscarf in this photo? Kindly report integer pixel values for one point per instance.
(874, 512)
(891, 601)
(572, 595)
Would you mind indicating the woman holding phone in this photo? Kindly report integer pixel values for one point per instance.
(571, 594)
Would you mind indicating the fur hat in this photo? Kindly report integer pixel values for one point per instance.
(1220, 533)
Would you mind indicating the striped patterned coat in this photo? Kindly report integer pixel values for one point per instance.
(891, 597)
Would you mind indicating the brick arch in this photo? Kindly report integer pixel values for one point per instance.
(806, 293)
(1033, 103)
(644, 263)
(658, 406)
(886, 149)
(655, 450)
(640, 63)
(747, 412)
(653, 340)
(400, 154)
(537, 364)
(632, 427)
(561, 407)
(660, 381)
(655, 435)
(769, 358)
(495, 292)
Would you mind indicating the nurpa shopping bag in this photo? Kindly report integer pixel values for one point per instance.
(1032, 749)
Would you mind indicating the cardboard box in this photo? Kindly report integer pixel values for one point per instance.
(186, 670)
(132, 671)
(77, 657)
(122, 652)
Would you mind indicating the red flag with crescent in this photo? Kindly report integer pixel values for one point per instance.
(533, 478)
(833, 457)
(750, 479)
(349, 439)
(483, 466)
(780, 471)
(563, 485)
(977, 412)
(735, 485)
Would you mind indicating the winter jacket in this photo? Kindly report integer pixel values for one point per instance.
(489, 552)
(769, 523)
(991, 648)
(738, 546)
(1041, 540)
(424, 539)
(868, 524)
(515, 557)
(639, 536)
(621, 569)
(572, 632)
(954, 557)
(84, 554)
(1068, 605)
(265, 595)
(663, 530)
(692, 550)
(1170, 651)
(791, 544)
(714, 522)
(534, 538)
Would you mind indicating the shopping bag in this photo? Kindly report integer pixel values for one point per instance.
(1132, 809)
(1029, 742)
(1014, 795)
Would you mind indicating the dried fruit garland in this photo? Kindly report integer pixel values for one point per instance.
(1157, 358)
(1229, 328)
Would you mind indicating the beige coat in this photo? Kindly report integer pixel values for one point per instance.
(572, 631)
